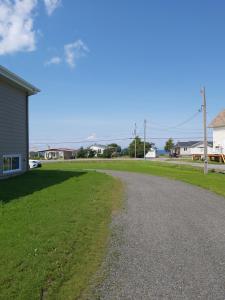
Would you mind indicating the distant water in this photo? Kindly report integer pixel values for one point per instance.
(161, 151)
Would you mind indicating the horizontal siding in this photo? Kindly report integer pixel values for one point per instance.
(13, 123)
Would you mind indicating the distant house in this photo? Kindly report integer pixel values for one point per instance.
(218, 126)
(14, 135)
(184, 148)
(191, 148)
(59, 153)
(152, 153)
(99, 149)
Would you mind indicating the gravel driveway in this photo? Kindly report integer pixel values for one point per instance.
(168, 243)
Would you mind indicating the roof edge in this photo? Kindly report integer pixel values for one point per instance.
(31, 89)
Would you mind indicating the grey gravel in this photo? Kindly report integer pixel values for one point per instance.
(168, 242)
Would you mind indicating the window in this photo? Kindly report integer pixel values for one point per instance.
(11, 163)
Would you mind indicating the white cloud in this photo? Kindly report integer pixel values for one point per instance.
(51, 5)
(16, 26)
(54, 61)
(92, 137)
(74, 51)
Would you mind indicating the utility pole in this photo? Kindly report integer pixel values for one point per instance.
(205, 131)
(135, 140)
(144, 137)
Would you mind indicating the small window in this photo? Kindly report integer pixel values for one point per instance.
(11, 163)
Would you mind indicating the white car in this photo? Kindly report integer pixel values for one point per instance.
(34, 164)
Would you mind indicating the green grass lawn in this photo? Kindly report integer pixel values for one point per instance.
(53, 231)
(54, 223)
(213, 181)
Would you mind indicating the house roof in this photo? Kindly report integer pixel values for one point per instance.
(192, 144)
(99, 146)
(219, 120)
(18, 81)
(186, 144)
(210, 143)
(58, 149)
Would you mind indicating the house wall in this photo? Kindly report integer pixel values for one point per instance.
(13, 124)
(219, 139)
(151, 154)
(98, 150)
(200, 150)
(68, 155)
(58, 154)
(185, 151)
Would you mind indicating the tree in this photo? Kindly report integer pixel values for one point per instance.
(124, 152)
(91, 153)
(112, 150)
(169, 145)
(108, 152)
(115, 147)
(139, 147)
(82, 153)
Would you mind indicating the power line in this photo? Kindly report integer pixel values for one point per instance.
(84, 141)
(192, 117)
(120, 139)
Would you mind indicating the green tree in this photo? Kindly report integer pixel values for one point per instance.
(82, 153)
(91, 153)
(124, 152)
(108, 152)
(115, 147)
(139, 147)
(169, 145)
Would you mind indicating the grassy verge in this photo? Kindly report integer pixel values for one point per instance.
(194, 161)
(53, 231)
(212, 181)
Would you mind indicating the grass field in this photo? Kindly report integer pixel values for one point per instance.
(53, 231)
(54, 223)
(213, 181)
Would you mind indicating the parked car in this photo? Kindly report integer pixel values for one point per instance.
(34, 164)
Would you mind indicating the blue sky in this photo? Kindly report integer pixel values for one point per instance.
(103, 65)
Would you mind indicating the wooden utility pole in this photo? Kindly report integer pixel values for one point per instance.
(135, 140)
(144, 138)
(205, 131)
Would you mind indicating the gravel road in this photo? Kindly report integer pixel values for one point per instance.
(168, 243)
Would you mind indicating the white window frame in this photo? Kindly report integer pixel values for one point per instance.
(11, 171)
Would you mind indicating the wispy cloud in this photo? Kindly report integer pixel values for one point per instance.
(51, 5)
(53, 61)
(74, 51)
(16, 26)
(93, 136)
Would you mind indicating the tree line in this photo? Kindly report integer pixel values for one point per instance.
(115, 150)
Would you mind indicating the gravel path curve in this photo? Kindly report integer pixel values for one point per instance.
(168, 243)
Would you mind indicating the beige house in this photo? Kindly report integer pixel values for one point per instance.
(14, 135)
(59, 153)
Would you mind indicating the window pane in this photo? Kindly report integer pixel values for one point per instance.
(7, 164)
(15, 163)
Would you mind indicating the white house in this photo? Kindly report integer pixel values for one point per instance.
(99, 149)
(218, 126)
(191, 147)
(152, 153)
(184, 148)
(198, 148)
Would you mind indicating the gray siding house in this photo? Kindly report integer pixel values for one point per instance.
(14, 135)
